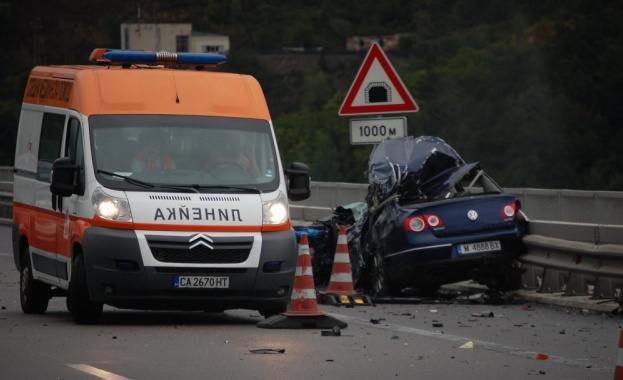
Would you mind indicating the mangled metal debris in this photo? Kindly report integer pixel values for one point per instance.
(429, 219)
(268, 351)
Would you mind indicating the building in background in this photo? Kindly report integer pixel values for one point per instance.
(387, 42)
(178, 38)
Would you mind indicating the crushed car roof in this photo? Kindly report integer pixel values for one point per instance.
(408, 166)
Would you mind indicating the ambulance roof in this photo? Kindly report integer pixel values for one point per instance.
(141, 89)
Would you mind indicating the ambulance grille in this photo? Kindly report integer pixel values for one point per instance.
(175, 249)
(201, 271)
(170, 198)
(219, 198)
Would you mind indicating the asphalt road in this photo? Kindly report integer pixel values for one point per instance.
(517, 339)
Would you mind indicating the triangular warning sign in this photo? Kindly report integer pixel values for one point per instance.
(377, 88)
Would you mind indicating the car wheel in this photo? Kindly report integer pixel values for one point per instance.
(82, 309)
(377, 273)
(34, 295)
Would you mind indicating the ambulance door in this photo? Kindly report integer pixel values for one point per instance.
(69, 206)
(44, 225)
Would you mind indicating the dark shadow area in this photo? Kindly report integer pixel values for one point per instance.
(118, 317)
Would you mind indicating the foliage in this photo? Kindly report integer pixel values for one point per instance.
(529, 88)
(320, 139)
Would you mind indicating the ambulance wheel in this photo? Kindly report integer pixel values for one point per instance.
(83, 310)
(34, 295)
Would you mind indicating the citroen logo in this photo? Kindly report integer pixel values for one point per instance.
(200, 239)
(472, 215)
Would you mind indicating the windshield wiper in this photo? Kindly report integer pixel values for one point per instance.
(128, 179)
(237, 188)
(193, 188)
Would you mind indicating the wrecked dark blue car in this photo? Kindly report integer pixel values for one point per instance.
(431, 219)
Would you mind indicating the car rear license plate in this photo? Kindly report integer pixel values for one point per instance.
(202, 282)
(485, 246)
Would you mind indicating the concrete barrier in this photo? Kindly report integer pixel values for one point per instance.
(575, 243)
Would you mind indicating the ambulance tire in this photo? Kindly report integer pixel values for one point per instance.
(83, 310)
(34, 295)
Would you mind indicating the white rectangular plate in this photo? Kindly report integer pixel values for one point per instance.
(484, 246)
(201, 282)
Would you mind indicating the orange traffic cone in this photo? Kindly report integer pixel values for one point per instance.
(341, 276)
(341, 290)
(304, 301)
(303, 311)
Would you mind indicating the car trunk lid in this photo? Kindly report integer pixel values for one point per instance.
(470, 214)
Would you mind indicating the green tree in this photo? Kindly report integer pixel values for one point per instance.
(321, 140)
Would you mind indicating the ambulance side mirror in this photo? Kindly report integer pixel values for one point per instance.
(65, 177)
(298, 181)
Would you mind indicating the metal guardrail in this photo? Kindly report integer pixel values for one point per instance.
(575, 245)
(575, 259)
(574, 206)
(572, 256)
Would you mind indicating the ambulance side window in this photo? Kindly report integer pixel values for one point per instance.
(73, 145)
(50, 144)
(74, 149)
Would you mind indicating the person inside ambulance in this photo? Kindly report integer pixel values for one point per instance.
(108, 157)
(150, 157)
(234, 151)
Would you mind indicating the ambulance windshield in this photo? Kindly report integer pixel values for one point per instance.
(197, 151)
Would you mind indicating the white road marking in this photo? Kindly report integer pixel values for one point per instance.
(97, 372)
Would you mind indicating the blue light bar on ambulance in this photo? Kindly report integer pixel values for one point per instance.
(123, 57)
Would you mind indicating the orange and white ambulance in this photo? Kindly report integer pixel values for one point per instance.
(142, 185)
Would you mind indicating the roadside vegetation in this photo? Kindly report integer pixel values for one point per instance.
(531, 89)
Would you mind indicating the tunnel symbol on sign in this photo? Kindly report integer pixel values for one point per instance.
(377, 88)
(378, 92)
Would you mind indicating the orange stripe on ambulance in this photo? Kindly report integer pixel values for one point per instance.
(145, 179)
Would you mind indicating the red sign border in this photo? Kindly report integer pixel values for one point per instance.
(377, 53)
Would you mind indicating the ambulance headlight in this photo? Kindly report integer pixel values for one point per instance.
(111, 208)
(276, 211)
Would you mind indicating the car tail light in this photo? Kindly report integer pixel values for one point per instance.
(415, 224)
(509, 210)
(433, 220)
(421, 223)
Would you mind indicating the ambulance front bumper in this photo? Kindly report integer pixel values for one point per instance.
(118, 276)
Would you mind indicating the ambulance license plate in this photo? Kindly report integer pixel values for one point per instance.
(485, 246)
(201, 282)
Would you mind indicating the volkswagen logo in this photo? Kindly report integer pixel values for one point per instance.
(472, 215)
(200, 239)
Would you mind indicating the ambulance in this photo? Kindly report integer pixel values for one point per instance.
(151, 181)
